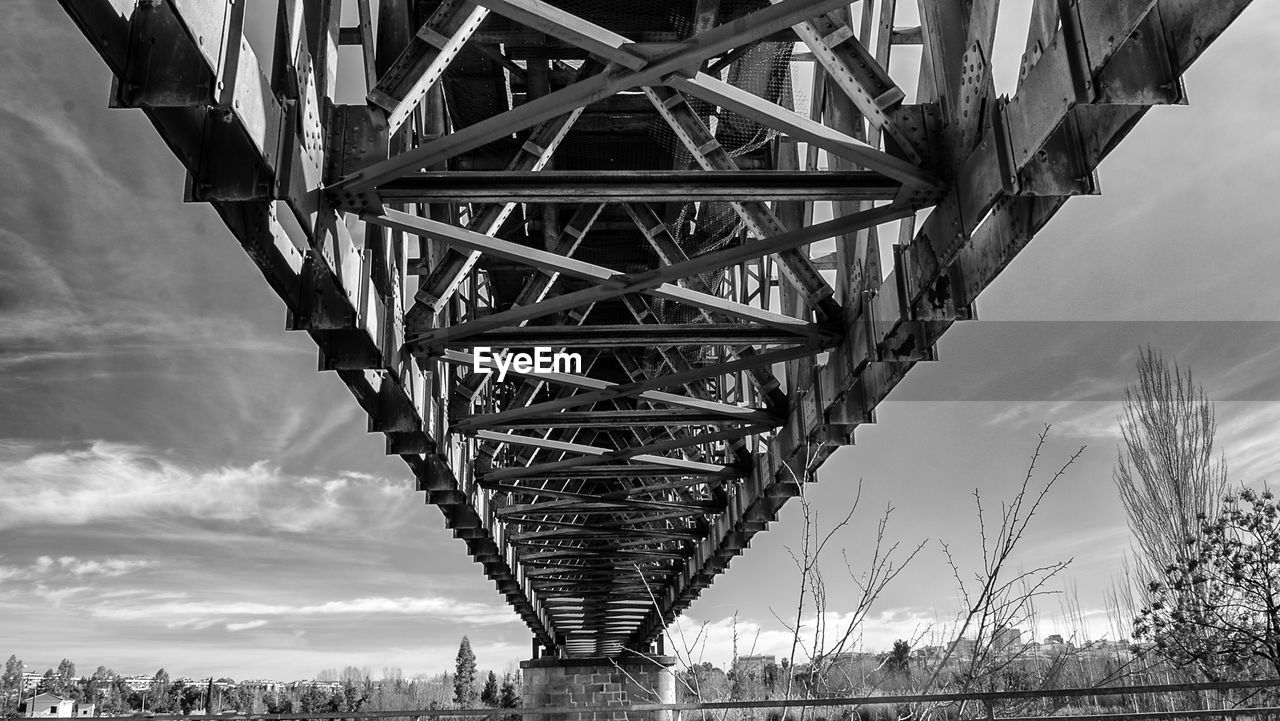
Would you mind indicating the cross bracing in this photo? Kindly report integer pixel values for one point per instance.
(641, 184)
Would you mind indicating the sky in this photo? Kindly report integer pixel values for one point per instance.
(179, 487)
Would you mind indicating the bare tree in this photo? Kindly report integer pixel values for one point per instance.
(834, 635)
(1167, 476)
(984, 649)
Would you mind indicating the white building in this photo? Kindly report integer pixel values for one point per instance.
(138, 683)
(47, 705)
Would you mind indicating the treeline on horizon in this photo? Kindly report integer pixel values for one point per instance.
(349, 690)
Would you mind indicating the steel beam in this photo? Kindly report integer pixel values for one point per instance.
(605, 186)
(717, 40)
(654, 282)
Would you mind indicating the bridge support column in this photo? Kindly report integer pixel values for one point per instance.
(585, 682)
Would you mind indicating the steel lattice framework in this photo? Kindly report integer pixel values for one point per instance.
(632, 181)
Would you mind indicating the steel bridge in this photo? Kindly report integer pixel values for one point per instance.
(641, 182)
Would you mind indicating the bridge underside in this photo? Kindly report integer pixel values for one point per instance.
(641, 183)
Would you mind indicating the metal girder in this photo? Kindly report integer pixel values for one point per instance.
(719, 39)
(567, 510)
(599, 390)
(643, 336)
(862, 78)
(604, 186)
(595, 454)
(760, 219)
(534, 154)
(612, 497)
(644, 389)
(628, 471)
(801, 128)
(654, 282)
(592, 455)
(545, 260)
(669, 251)
(424, 60)
(568, 27)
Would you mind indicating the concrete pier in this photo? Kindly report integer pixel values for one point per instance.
(587, 682)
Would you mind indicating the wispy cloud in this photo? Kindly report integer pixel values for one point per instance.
(193, 613)
(46, 568)
(108, 567)
(1088, 420)
(717, 641)
(1247, 437)
(246, 625)
(106, 481)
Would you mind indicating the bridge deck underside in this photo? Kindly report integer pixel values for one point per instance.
(640, 183)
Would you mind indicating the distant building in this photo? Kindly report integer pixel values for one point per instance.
(1007, 639)
(266, 685)
(85, 710)
(329, 686)
(47, 705)
(962, 647)
(29, 681)
(844, 671)
(138, 683)
(744, 665)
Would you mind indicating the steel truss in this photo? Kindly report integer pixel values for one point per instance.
(512, 195)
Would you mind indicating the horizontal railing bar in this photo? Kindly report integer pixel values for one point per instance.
(808, 703)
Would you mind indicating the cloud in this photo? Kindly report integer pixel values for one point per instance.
(109, 567)
(46, 568)
(106, 481)
(1095, 421)
(245, 626)
(56, 596)
(195, 624)
(716, 642)
(195, 613)
(1246, 435)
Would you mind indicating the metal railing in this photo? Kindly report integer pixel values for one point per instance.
(987, 698)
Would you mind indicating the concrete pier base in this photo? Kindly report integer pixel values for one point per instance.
(586, 682)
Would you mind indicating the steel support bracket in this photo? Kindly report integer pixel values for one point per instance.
(176, 54)
(323, 306)
(357, 138)
(1141, 71)
(1077, 50)
(1061, 166)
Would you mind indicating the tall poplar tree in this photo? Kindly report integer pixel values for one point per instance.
(1169, 479)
